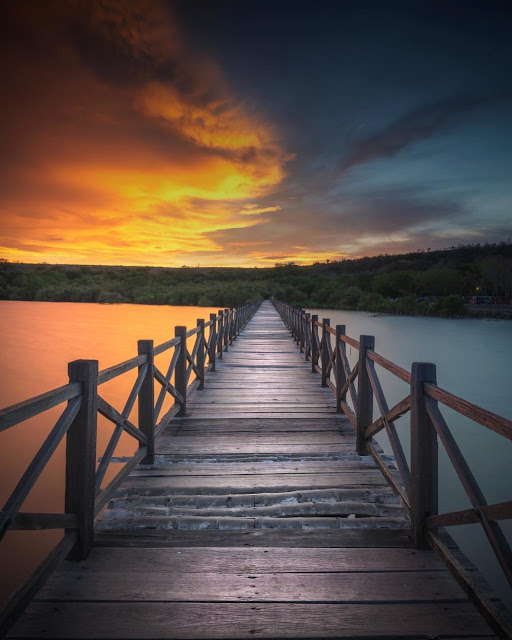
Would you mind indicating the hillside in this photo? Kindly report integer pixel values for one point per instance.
(421, 282)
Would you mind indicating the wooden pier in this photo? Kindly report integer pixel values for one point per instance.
(259, 505)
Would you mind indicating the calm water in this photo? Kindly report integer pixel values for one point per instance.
(38, 339)
(473, 360)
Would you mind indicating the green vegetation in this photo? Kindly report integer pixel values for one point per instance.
(432, 282)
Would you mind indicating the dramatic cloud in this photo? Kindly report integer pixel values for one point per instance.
(169, 132)
(399, 218)
(124, 146)
(418, 124)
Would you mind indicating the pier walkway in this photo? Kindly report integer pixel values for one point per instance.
(257, 519)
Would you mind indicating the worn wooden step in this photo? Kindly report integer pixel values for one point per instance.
(255, 468)
(197, 621)
(244, 484)
(228, 523)
(382, 495)
(337, 509)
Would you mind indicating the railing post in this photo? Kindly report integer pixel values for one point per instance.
(364, 413)
(180, 373)
(233, 326)
(146, 401)
(80, 492)
(307, 344)
(314, 345)
(227, 328)
(200, 353)
(424, 461)
(341, 377)
(301, 324)
(212, 341)
(220, 332)
(325, 352)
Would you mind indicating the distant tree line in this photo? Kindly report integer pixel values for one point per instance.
(431, 282)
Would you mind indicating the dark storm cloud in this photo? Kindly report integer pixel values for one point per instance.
(418, 124)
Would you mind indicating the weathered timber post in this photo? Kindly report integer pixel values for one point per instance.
(220, 332)
(302, 330)
(341, 376)
(424, 459)
(325, 351)
(233, 325)
(180, 373)
(212, 340)
(80, 490)
(307, 343)
(227, 328)
(146, 401)
(364, 413)
(237, 323)
(200, 353)
(314, 343)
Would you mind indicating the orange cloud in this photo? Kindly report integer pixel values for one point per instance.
(123, 146)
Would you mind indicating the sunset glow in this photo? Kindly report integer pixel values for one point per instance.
(132, 134)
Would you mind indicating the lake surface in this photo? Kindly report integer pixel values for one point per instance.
(38, 339)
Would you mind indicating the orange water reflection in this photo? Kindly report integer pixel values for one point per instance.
(37, 340)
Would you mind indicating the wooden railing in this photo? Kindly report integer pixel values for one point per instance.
(84, 495)
(355, 389)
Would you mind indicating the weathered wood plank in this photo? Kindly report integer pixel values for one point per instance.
(384, 586)
(229, 620)
(332, 539)
(169, 448)
(319, 415)
(255, 424)
(254, 469)
(207, 440)
(237, 484)
(255, 559)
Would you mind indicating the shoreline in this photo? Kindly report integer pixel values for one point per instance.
(473, 312)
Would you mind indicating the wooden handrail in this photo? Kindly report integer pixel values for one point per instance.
(397, 371)
(484, 417)
(174, 342)
(22, 411)
(119, 369)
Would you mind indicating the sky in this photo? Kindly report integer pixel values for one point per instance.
(250, 132)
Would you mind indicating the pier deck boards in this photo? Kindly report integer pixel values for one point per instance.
(257, 519)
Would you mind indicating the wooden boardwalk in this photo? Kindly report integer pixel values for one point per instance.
(258, 519)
